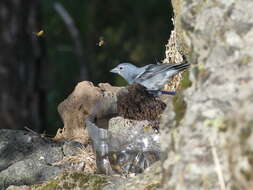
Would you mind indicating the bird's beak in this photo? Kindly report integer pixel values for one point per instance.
(115, 70)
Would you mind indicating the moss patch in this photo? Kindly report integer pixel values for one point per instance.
(153, 186)
(178, 101)
(51, 185)
(75, 180)
(185, 82)
(179, 107)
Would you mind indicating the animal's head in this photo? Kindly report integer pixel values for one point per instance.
(126, 70)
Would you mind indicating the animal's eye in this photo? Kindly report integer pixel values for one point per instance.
(120, 68)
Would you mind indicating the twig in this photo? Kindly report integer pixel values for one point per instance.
(32, 131)
(218, 166)
(43, 135)
(69, 22)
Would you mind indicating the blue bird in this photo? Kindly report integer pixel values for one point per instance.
(153, 76)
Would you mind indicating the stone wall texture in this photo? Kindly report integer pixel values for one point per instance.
(212, 147)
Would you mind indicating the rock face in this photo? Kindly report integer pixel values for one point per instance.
(212, 146)
(27, 158)
(148, 180)
(85, 100)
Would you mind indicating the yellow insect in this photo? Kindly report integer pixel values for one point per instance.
(40, 33)
(101, 41)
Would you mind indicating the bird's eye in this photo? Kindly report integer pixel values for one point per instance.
(120, 68)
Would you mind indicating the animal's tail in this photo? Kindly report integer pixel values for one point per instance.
(181, 67)
(160, 92)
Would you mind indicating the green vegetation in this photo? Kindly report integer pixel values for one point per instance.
(178, 101)
(75, 180)
(53, 184)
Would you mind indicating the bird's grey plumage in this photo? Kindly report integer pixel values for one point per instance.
(153, 76)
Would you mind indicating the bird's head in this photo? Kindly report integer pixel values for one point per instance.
(127, 71)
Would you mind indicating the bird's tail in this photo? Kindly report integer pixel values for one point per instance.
(160, 92)
(181, 67)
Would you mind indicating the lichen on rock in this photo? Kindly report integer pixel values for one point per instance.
(218, 110)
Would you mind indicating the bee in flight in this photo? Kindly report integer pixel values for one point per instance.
(101, 41)
(40, 33)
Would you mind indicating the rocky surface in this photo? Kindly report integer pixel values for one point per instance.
(211, 146)
(150, 179)
(27, 158)
(86, 99)
(69, 180)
